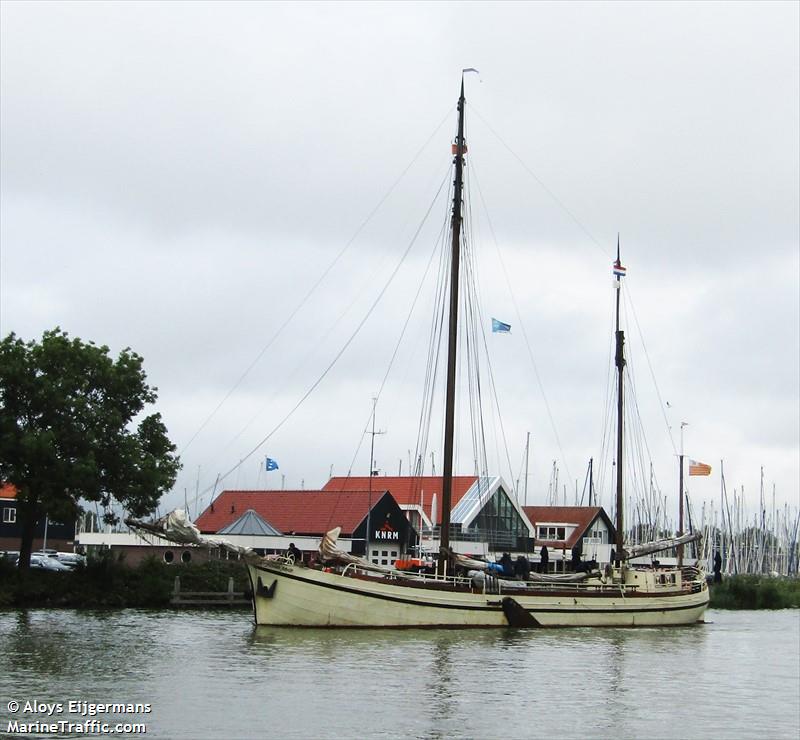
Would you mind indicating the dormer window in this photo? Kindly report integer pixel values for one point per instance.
(551, 534)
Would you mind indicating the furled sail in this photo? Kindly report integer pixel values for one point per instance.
(481, 566)
(177, 527)
(329, 552)
(669, 543)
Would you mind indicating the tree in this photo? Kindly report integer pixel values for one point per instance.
(71, 429)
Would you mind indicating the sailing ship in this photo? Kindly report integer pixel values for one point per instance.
(343, 590)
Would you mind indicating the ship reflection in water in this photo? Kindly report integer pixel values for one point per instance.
(211, 674)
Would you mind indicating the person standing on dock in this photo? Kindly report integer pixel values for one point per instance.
(717, 568)
(294, 553)
(544, 559)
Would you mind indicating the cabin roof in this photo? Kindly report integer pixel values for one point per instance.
(249, 523)
(581, 517)
(407, 490)
(291, 512)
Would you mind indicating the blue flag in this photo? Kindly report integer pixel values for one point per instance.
(500, 327)
(271, 464)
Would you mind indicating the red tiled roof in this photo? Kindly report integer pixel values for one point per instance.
(7, 491)
(292, 512)
(582, 516)
(406, 490)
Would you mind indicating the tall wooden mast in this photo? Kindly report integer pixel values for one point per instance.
(620, 363)
(452, 341)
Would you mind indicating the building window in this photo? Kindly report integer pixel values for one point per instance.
(499, 522)
(9, 515)
(552, 533)
(599, 535)
(384, 553)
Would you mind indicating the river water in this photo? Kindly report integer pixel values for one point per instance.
(214, 675)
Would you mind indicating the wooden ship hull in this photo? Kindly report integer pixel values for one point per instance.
(293, 595)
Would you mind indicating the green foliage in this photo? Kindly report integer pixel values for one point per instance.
(108, 582)
(756, 592)
(68, 429)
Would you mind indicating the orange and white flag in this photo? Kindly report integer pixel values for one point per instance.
(699, 468)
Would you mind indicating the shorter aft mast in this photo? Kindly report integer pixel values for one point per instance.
(619, 359)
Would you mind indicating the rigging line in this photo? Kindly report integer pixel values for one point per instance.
(522, 326)
(472, 334)
(629, 296)
(497, 406)
(347, 343)
(322, 277)
(544, 187)
(356, 298)
(590, 235)
(472, 369)
(473, 361)
(435, 329)
(479, 331)
(434, 347)
(608, 413)
(397, 345)
(641, 436)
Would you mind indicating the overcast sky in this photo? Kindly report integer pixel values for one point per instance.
(176, 177)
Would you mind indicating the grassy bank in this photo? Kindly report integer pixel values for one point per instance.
(110, 583)
(756, 592)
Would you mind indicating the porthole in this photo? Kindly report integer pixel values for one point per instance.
(186, 556)
(169, 556)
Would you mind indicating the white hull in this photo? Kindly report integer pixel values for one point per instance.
(290, 595)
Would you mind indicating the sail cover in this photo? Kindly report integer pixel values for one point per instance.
(177, 527)
(669, 543)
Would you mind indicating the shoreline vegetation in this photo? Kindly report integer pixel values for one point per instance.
(109, 583)
(755, 592)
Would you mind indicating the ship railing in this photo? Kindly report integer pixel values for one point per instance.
(497, 587)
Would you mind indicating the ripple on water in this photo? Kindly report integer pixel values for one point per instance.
(212, 674)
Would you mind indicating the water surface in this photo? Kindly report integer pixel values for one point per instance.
(214, 675)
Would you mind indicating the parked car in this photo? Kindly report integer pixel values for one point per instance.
(44, 562)
(71, 559)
